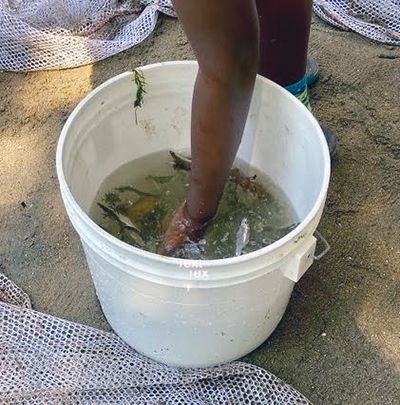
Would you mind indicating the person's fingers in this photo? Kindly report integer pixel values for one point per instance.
(181, 229)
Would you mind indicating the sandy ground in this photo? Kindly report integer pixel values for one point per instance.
(338, 342)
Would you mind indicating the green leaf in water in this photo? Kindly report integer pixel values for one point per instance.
(122, 219)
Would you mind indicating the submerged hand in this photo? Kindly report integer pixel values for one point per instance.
(181, 229)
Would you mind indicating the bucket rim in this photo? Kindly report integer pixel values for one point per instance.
(214, 263)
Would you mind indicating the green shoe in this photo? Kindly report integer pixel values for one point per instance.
(300, 91)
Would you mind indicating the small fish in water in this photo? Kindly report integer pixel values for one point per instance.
(135, 190)
(181, 162)
(242, 236)
(122, 219)
(138, 211)
(136, 239)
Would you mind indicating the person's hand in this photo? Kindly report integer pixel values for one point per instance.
(182, 228)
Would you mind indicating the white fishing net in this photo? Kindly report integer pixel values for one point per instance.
(375, 19)
(56, 34)
(47, 360)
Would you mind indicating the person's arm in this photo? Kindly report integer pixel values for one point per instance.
(224, 36)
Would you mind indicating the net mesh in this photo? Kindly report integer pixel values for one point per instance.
(56, 34)
(375, 19)
(46, 360)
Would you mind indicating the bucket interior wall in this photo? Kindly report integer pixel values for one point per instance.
(104, 134)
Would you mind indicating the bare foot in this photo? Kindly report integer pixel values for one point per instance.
(182, 228)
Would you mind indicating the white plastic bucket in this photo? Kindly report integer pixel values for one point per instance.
(191, 313)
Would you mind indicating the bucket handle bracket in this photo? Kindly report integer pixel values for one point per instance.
(327, 246)
(305, 256)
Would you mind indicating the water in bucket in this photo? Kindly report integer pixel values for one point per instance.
(136, 202)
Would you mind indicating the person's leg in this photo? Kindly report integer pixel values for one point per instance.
(284, 33)
(224, 35)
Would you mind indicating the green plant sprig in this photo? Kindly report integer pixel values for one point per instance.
(140, 82)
